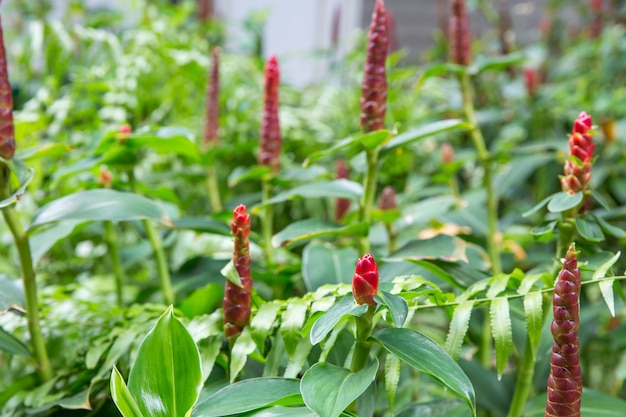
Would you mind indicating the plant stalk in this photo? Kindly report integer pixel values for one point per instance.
(44, 370)
(157, 248)
(267, 224)
(213, 189)
(369, 193)
(118, 271)
(361, 347)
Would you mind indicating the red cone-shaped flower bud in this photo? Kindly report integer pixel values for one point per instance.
(374, 84)
(459, 33)
(578, 173)
(342, 205)
(7, 129)
(236, 298)
(531, 80)
(269, 152)
(365, 280)
(211, 135)
(387, 199)
(565, 380)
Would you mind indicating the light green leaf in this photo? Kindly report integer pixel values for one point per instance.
(342, 308)
(166, 378)
(47, 150)
(425, 355)
(373, 140)
(303, 230)
(99, 205)
(166, 140)
(458, 328)
(497, 62)
(298, 358)
(328, 389)
(241, 174)
(397, 306)
(278, 411)
(323, 263)
(339, 145)
(589, 230)
(502, 331)
(41, 242)
(439, 69)
(392, 378)
(606, 287)
(121, 396)
(12, 345)
(244, 345)
(424, 131)
(25, 175)
(247, 395)
(444, 247)
(263, 322)
(533, 310)
(563, 201)
(293, 322)
(230, 273)
(341, 188)
(543, 229)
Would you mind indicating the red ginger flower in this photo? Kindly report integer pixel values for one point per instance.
(459, 33)
(374, 84)
(212, 101)
(270, 129)
(7, 129)
(565, 380)
(342, 205)
(365, 280)
(578, 174)
(236, 298)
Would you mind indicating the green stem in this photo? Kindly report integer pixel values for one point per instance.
(393, 237)
(369, 193)
(157, 248)
(484, 158)
(213, 189)
(361, 347)
(44, 370)
(118, 272)
(267, 224)
(525, 374)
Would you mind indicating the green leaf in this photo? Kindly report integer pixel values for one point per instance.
(263, 322)
(10, 293)
(203, 225)
(610, 229)
(230, 273)
(167, 376)
(439, 69)
(204, 299)
(502, 331)
(606, 287)
(593, 404)
(458, 328)
(25, 176)
(589, 230)
(341, 309)
(497, 62)
(47, 150)
(563, 201)
(596, 196)
(166, 140)
(397, 306)
(392, 378)
(307, 229)
(292, 323)
(339, 145)
(279, 411)
(248, 395)
(323, 263)
(328, 389)
(373, 140)
(42, 241)
(425, 355)
(122, 397)
(244, 345)
(99, 204)
(341, 188)
(537, 207)
(241, 174)
(544, 229)
(424, 131)
(533, 311)
(440, 408)
(444, 247)
(12, 345)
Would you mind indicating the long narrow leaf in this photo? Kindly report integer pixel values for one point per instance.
(458, 328)
(502, 331)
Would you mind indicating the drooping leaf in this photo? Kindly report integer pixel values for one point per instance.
(341, 309)
(398, 307)
(303, 230)
(496, 62)
(46, 150)
(341, 188)
(42, 241)
(241, 174)
(502, 331)
(325, 264)
(166, 378)
(609, 228)
(292, 323)
(458, 328)
(244, 345)
(606, 287)
(12, 345)
(122, 397)
(328, 389)
(533, 311)
(99, 205)
(425, 355)
(424, 131)
(439, 69)
(563, 201)
(247, 395)
(544, 229)
(263, 322)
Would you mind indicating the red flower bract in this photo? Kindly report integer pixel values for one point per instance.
(578, 173)
(269, 151)
(211, 134)
(365, 280)
(459, 33)
(7, 129)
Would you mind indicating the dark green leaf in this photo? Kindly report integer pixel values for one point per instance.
(166, 378)
(589, 230)
(11, 344)
(497, 62)
(41, 242)
(323, 263)
(303, 230)
(341, 309)
(544, 229)
(247, 395)
(425, 355)
(241, 174)
(537, 207)
(439, 69)
(99, 204)
(279, 411)
(564, 201)
(444, 247)
(397, 306)
(424, 131)
(609, 228)
(328, 389)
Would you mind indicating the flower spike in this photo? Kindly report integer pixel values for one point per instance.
(7, 129)
(211, 134)
(365, 280)
(270, 129)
